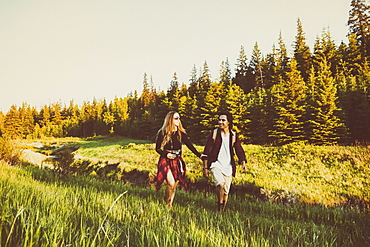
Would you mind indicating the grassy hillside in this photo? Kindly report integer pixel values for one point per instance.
(40, 207)
(326, 175)
(294, 195)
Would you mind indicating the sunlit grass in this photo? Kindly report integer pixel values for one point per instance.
(50, 209)
(130, 153)
(327, 175)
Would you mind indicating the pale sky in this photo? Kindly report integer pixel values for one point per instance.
(58, 50)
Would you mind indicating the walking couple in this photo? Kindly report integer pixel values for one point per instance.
(218, 156)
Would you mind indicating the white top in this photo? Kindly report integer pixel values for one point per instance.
(224, 157)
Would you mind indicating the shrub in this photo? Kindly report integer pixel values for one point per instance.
(63, 156)
(10, 152)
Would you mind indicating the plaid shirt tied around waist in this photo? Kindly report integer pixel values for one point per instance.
(178, 169)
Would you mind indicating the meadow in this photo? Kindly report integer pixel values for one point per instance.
(294, 195)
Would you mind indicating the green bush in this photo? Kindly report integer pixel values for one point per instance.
(10, 152)
(64, 156)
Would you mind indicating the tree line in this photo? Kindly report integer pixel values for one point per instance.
(318, 95)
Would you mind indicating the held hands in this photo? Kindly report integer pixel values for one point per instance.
(244, 168)
(205, 172)
(171, 156)
(205, 165)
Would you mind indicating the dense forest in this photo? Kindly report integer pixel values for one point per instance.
(319, 95)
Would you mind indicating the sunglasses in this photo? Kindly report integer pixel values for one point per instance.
(176, 118)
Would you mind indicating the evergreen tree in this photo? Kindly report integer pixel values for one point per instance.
(325, 48)
(343, 66)
(225, 72)
(173, 93)
(330, 51)
(214, 103)
(204, 80)
(282, 58)
(56, 113)
(72, 110)
(2, 117)
(193, 86)
(259, 114)
(96, 109)
(45, 116)
(145, 127)
(185, 109)
(359, 25)
(241, 65)
(197, 113)
(148, 116)
(192, 119)
(13, 124)
(324, 124)
(87, 119)
(183, 91)
(364, 81)
(72, 120)
(27, 119)
(272, 77)
(255, 68)
(241, 75)
(182, 105)
(352, 57)
(153, 92)
(119, 108)
(290, 107)
(354, 99)
(145, 97)
(162, 107)
(355, 106)
(236, 104)
(109, 119)
(134, 108)
(302, 52)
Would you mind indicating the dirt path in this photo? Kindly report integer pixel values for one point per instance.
(36, 158)
(33, 157)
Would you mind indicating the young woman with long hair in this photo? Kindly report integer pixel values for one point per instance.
(171, 166)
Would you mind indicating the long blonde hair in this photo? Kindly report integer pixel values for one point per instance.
(169, 129)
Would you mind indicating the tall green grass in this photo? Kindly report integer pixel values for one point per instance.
(131, 154)
(328, 175)
(44, 208)
(298, 172)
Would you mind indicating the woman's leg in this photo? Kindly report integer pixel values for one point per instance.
(170, 189)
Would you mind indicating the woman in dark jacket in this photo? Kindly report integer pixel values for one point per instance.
(171, 166)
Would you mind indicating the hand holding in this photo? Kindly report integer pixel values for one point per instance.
(244, 167)
(205, 172)
(171, 156)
